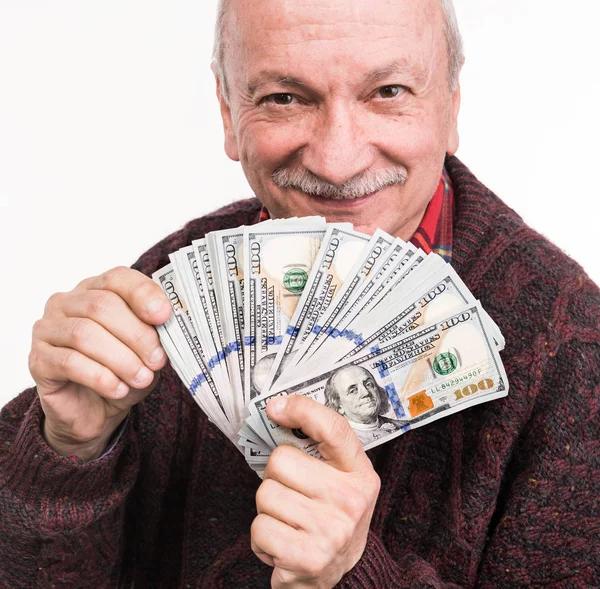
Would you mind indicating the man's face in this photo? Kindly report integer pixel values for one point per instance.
(359, 394)
(338, 91)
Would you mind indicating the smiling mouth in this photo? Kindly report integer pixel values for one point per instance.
(343, 197)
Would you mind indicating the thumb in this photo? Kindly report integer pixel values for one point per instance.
(338, 444)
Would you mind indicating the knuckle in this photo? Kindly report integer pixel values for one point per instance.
(55, 301)
(65, 361)
(278, 458)
(144, 290)
(111, 278)
(283, 578)
(100, 303)
(318, 562)
(257, 526)
(375, 484)
(79, 331)
(356, 503)
(84, 284)
(266, 494)
(102, 380)
(343, 534)
(144, 334)
(34, 361)
(37, 330)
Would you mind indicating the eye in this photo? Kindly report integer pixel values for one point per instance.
(369, 384)
(280, 99)
(390, 91)
(352, 389)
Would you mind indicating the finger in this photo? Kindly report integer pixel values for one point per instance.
(93, 341)
(338, 444)
(305, 474)
(267, 559)
(271, 537)
(142, 294)
(111, 312)
(284, 579)
(297, 554)
(51, 367)
(287, 505)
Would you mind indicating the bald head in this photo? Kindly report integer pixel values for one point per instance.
(451, 31)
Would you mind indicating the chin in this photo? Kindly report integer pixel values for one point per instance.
(369, 417)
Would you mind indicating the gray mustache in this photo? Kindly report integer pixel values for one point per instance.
(356, 187)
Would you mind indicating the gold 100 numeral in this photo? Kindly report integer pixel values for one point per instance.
(485, 385)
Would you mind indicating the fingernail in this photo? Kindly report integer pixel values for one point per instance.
(144, 376)
(121, 390)
(277, 405)
(154, 306)
(157, 356)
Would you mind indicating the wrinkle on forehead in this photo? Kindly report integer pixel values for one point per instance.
(272, 31)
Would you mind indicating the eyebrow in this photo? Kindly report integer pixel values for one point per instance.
(402, 68)
(264, 78)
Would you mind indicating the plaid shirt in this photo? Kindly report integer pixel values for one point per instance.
(434, 234)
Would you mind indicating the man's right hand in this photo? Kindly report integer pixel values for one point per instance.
(94, 355)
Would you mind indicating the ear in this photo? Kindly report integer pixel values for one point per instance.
(231, 148)
(453, 139)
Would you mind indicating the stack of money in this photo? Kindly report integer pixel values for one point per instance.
(388, 336)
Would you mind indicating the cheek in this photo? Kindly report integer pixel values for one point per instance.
(267, 145)
(411, 139)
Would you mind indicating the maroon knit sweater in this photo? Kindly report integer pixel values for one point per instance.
(505, 494)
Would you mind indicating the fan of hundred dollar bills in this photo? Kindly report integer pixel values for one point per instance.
(373, 327)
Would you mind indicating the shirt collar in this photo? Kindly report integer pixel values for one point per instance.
(434, 234)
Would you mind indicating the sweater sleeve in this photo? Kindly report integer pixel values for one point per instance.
(62, 518)
(546, 525)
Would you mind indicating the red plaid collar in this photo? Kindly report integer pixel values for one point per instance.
(434, 234)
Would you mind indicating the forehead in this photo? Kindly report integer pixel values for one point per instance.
(351, 375)
(359, 35)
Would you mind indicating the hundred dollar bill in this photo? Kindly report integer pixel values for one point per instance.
(418, 304)
(340, 248)
(210, 306)
(365, 266)
(413, 380)
(399, 255)
(331, 347)
(278, 260)
(396, 257)
(188, 272)
(179, 366)
(225, 249)
(251, 440)
(183, 262)
(181, 332)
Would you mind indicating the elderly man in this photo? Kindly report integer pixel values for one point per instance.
(346, 109)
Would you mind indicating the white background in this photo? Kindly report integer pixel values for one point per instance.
(110, 135)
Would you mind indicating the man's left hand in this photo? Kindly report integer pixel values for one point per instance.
(314, 515)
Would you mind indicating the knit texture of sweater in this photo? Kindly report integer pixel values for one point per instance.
(504, 494)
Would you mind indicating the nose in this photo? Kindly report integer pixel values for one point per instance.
(365, 393)
(339, 146)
